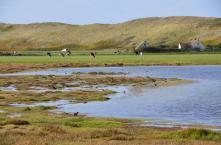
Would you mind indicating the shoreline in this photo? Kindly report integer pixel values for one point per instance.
(80, 87)
(41, 122)
(19, 68)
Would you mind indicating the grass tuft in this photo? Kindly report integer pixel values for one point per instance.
(195, 134)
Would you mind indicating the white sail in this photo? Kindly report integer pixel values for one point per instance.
(179, 46)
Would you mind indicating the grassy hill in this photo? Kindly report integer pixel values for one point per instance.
(167, 32)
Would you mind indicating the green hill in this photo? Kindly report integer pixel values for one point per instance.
(158, 32)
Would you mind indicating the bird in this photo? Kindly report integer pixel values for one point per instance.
(154, 80)
(76, 114)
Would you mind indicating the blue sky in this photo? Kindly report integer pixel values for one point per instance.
(102, 11)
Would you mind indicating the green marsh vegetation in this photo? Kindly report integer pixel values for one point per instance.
(23, 63)
(41, 125)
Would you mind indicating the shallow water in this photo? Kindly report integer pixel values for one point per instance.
(197, 103)
(9, 88)
(14, 115)
(2, 111)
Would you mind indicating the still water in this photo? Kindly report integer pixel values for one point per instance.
(189, 104)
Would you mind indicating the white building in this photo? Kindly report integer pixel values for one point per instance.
(197, 45)
(141, 47)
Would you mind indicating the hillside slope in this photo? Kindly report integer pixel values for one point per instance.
(157, 31)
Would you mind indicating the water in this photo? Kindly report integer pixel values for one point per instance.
(2, 111)
(190, 104)
(11, 88)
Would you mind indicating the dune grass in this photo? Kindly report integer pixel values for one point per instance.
(158, 31)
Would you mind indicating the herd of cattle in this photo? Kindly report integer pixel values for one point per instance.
(66, 52)
(139, 49)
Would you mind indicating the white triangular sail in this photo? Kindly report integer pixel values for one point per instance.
(179, 46)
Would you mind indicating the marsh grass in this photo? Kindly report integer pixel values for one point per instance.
(56, 129)
(196, 134)
(37, 126)
(77, 96)
(82, 122)
(25, 83)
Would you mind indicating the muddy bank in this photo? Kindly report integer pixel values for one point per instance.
(56, 82)
(79, 87)
(13, 68)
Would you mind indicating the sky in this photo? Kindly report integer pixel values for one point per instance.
(102, 11)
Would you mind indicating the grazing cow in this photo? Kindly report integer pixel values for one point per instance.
(93, 54)
(65, 52)
(14, 53)
(117, 51)
(76, 114)
(49, 54)
(62, 54)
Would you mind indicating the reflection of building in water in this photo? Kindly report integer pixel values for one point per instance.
(136, 90)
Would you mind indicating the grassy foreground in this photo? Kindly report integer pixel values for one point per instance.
(38, 127)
